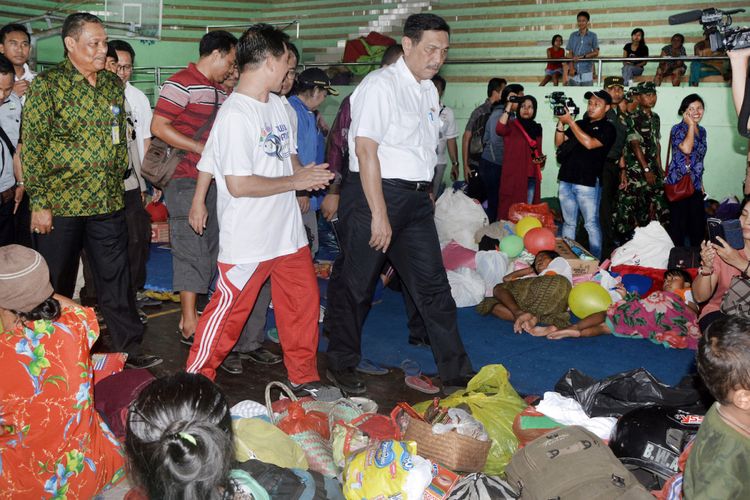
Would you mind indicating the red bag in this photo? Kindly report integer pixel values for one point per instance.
(299, 420)
(377, 426)
(541, 211)
(681, 190)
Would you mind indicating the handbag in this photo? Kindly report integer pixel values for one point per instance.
(161, 159)
(736, 301)
(475, 187)
(683, 188)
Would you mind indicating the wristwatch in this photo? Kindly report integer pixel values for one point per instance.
(454, 163)
(647, 170)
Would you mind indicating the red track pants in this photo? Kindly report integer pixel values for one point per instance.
(296, 302)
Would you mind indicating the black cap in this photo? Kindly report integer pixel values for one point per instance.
(601, 94)
(316, 77)
(614, 81)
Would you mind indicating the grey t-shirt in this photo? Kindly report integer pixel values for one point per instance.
(494, 147)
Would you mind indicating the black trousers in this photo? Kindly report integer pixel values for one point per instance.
(610, 184)
(7, 223)
(105, 240)
(139, 240)
(687, 219)
(414, 253)
(23, 222)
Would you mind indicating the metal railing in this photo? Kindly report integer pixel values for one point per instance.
(284, 24)
(152, 77)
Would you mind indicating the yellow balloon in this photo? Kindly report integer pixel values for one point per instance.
(588, 298)
(526, 224)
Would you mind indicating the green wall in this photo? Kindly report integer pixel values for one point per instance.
(727, 150)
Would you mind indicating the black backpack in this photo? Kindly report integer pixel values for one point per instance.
(476, 144)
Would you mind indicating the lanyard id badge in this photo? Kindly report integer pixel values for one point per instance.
(115, 125)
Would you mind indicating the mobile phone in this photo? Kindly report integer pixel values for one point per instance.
(715, 229)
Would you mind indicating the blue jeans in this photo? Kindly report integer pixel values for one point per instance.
(575, 197)
(531, 190)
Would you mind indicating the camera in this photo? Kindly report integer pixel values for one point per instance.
(561, 103)
(515, 99)
(716, 24)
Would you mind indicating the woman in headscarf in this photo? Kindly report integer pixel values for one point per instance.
(52, 441)
(523, 160)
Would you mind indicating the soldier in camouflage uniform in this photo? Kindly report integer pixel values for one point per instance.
(641, 197)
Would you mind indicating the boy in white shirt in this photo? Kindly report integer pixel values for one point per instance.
(249, 152)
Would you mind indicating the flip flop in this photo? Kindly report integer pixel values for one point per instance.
(369, 367)
(411, 368)
(421, 383)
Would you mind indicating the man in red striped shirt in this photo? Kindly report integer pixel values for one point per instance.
(186, 104)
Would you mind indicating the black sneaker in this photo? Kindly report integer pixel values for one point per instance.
(185, 340)
(457, 384)
(142, 316)
(316, 390)
(348, 380)
(262, 356)
(143, 361)
(419, 342)
(232, 364)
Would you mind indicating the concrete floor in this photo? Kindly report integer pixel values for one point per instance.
(161, 338)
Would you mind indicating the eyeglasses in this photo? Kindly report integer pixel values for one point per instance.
(124, 68)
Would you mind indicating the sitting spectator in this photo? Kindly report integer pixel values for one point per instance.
(719, 458)
(666, 317)
(719, 264)
(688, 144)
(554, 70)
(522, 139)
(541, 297)
(582, 44)
(706, 67)
(676, 69)
(636, 48)
(581, 167)
(52, 441)
(180, 445)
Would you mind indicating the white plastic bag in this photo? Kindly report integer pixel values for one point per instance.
(467, 287)
(463, 423)
(649, 247)
(458, 217)
(491, 266)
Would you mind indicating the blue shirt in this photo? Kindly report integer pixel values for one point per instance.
(678, 162)
(579, 45)
(494, 148)
(310, 140)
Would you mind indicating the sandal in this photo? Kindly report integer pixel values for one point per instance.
(185, 340)
(411, 368)
(369, 367)
(421, 383)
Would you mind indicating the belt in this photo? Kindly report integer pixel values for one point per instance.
(8, 195)
(408, 185)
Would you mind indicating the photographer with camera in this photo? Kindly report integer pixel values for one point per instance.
(523, 159)
(582, 150)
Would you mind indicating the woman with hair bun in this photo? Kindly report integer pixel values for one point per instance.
(53, 443)
(180, 445)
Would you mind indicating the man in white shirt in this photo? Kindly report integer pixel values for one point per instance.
(249, 153)
(386, 210)
(15, 44)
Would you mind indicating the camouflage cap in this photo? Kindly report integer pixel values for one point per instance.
(645, 88)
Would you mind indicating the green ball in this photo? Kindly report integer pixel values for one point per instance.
(512, 245)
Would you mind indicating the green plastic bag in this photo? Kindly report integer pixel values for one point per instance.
(493, 401)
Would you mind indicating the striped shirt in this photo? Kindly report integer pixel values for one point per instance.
(187, 99)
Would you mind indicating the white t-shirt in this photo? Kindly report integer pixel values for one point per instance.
(250, 137)
(292, 118)
(141, 113)
(401, 114)
(448, 130)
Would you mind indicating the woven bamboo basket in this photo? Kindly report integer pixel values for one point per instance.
(453, 450)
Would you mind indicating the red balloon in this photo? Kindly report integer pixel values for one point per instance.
(538, 239)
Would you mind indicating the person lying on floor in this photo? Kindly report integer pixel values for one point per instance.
(533, 295)
(52, 440)
(667, 316)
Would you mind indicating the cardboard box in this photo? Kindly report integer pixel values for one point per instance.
(443, 481)
(580, 260)
(160, 232)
